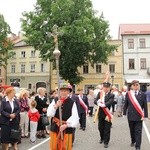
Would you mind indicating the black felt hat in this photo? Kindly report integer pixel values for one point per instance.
(106, 84)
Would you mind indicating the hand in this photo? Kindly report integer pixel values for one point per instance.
(58, 103)
(12, 116)
(101, 105)
(63, 127)
(99, 101)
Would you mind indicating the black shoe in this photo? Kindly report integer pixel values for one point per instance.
(101, 141)
(137, 148)
(132, 144)
(105, 145)
(80, 128)
(39, 136)
(43, 136)
(83, 129)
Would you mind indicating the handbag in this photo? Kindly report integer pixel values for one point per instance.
(45, 120)
(15, 134)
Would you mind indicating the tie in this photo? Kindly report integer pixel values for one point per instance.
(136, 94)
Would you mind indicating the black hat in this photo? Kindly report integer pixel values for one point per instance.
(106, 84)
(134, 82)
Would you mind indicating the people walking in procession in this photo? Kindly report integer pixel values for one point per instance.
(84, 106)
(61, 130)
(136, 108)
(104, 100)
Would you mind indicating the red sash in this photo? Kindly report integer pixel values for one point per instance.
(82, 103)
(136, 104)
(108, 114)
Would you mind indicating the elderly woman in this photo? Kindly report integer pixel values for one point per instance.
(9, 118)
(24, 107)
(42, 108)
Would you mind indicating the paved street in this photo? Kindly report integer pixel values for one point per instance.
(89, 139)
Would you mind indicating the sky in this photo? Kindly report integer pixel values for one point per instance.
(115, 12)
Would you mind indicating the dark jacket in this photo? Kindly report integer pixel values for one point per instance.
(66, 113)
(85, 100)
(41, 104)
(109, 99)
(6, 111)
(132, 113)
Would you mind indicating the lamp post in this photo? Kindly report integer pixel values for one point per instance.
(112, 80)
(57, 54)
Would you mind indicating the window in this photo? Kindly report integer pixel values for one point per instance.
(13, 68)
(29, 86)
(13, 55)
(142, 43)
(98, 68)
(143, 63)
(42, 68)
(22, 68)
(23, 54)
(32, 68)
(131, 64)
(130, 44)
(33, 53)
(85, 69)
(112, 68)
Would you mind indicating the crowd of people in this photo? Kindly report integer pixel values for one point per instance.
(65, 110)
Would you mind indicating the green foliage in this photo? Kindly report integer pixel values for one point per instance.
(5, 43)
(84, 37)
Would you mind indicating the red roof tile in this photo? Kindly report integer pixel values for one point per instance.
(126, 29)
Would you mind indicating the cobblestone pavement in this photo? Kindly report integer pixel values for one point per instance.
(89, 139)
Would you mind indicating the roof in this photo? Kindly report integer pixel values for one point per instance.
(132, 29)
(140, 80)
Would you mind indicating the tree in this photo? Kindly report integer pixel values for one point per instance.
(5, 43)
(84, 38)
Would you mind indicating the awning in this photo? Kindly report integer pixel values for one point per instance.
(140, 80)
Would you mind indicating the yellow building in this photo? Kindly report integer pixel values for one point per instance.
(27, 68)
(95, 76)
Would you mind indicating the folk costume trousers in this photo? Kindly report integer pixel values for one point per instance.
(57, 144)
(104, 128)
(136, 132)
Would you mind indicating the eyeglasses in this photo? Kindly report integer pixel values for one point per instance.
(135, 84)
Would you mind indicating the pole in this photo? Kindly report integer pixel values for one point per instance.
(57, 54)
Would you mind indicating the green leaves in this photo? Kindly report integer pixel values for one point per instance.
(84, 38)
(5, 43)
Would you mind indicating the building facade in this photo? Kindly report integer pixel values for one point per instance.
(94, 76)
(136, 53)
(26, 68)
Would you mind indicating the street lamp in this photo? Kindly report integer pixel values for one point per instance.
(57, 54)
(112, 80)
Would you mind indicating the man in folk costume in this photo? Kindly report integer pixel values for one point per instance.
(104, 100)
(84, 105)
(135, 103)
(69, 121)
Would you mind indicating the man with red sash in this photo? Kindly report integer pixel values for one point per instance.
(104, 100)
(70, 120)
(136, 108)
(84, 105)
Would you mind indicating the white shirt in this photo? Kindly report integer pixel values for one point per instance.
(11, 102)
(72, 121)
